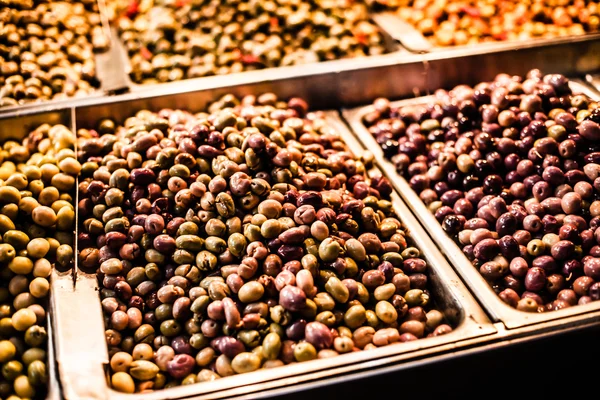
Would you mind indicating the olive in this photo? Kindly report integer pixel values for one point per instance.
(216, 243)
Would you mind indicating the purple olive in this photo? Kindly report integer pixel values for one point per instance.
(318, 335)
(591, 268)
(292, 298)
(486, 249)
(181, 366)
(535, 279)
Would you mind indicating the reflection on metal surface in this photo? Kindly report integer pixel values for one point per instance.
(103, 69)
(499, 311)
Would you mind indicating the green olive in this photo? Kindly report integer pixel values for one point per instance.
(337, 290)
(190, 243)
(304, 351)
(416, 297)
(38, 248)
(36, 336)
(237, 244)
(355, 316)
(271, 346)
(36, 372)
(7, 253)
(386, 312)
(23, 387)
(123, 382)
(17, 239)
(251, 292)
(384, 292)
(245, 362)
(143, 370)
(329, 250)
(12, 369)
(536, 247)
(9, 194)
(5, 224)
(7, 351)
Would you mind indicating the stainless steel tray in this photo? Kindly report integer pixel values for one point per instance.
(413, 40)
(410, 57)
(79, 330)
(17, 129)
(108, 81)
(498, 310)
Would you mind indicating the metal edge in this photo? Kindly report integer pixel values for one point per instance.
(403, 32)
(339, 78)
(77, 330)
(109, 64)
(292, 71)
(71, 305)
(53, 382)
(475, 347)
(499, 311)
(112, 67)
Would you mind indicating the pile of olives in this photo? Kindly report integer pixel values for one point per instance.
(171, 40)
(37, 219)
(511, 169)
(242, 238)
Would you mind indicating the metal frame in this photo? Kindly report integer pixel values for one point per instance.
(499, 311)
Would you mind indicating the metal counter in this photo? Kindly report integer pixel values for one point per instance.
(499, 311)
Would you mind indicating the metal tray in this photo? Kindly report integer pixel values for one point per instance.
(354, 82)
(413, 40)
(499, 311)
(109, 83)
(121, 62)
(17, 129)
(79, 324)
(409, 52)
